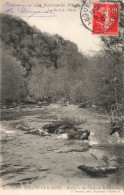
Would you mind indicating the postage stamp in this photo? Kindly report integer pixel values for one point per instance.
(100, 18)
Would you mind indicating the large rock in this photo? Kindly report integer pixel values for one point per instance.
(71, 130)
(31, 130)
(38, 132)
(63, 136)
(85, 135)
(117, 126)
(98, 171)
(79, 134)
(60, 130)
(51, 128)
(82, 105)
(65, 128)
(23, 127)
(73, 133)
(44, 103)
(56, 127)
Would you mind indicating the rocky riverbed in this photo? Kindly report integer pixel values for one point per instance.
(33, 159)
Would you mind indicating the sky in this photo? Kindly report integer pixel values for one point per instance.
(66, 23)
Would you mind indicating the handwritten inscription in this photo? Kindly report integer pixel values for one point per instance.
(28, 10)
(39, 9)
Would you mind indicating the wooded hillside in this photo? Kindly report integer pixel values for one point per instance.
(48, 67)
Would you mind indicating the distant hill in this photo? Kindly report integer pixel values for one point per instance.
(34, 49)
(30, 46)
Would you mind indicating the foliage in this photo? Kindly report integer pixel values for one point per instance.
(66, 120)
(114, 47)
(12, 83)
(54, 69)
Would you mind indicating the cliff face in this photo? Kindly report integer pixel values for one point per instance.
(30, 46)
(40, 55)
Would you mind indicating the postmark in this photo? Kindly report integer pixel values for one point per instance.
(100, 18)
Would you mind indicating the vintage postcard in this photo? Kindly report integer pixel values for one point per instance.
(62, 97)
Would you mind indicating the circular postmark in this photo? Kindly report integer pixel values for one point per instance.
(99, 17)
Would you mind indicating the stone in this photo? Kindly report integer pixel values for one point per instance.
(65, 128)
(38, 132)
(71, 133)
(85, 135)
(43, 133)
(79, 134)
(98, 171)
(23, 127)
(93, 106)
(82, 105)
(44, 103)
(35, 132)
(71, 130)
(63, 136)
(60, 130)
(51, 128)
(39, 103)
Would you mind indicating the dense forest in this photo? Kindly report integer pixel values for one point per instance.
(47, 67)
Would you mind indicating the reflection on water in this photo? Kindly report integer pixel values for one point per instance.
(33, 160)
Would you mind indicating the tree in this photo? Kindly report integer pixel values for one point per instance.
(12, 83)
(114, 47)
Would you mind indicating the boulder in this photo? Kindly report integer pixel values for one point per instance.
(98, 171)
(116, 126)
(23, 127)
(65, 128)
(43, 133)
(85, 135)
(71, 130)
(93, 106)
(31, 130)
(51, 128)
(38, 132)
(82, 105)
(34, 132)
(79, 134)
(39, 103)
(60, 130)
(44, 103)
(71, 133)
(63, 136)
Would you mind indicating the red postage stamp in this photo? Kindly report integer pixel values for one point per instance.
(100, 18)
(105, 18)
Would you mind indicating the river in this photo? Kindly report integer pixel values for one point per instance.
(31, 160)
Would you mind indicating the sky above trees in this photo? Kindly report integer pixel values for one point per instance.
(66, 23)
(69, 26)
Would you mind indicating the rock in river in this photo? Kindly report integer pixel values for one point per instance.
(63, 136)
(31, 130)
(51, 128)
(98, 171)
(72, 131)
(23, 127)
(38, 132)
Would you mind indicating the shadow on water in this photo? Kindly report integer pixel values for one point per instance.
(112, 149)
(112, 155)
(17, 112)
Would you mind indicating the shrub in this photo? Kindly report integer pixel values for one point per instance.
(66, 120)
(117, 125)
(12, 83)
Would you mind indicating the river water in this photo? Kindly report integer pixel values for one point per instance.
(31, 160)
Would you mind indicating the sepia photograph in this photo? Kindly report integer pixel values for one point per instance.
(62, 96)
